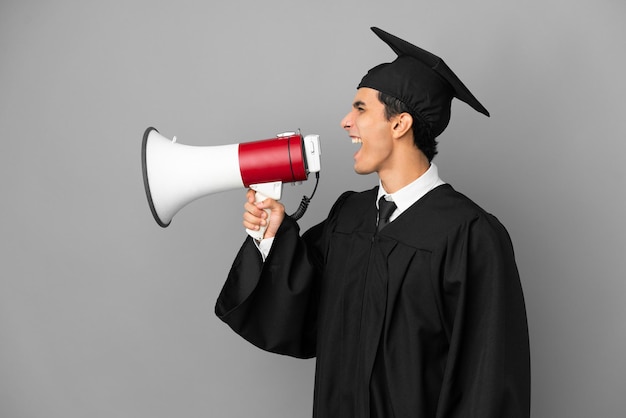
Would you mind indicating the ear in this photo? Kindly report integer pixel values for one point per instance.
(401, 124)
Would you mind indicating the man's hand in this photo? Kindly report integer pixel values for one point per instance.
(255, 216)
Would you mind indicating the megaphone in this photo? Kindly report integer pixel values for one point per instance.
(174, 174)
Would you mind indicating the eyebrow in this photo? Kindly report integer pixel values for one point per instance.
(358, 103)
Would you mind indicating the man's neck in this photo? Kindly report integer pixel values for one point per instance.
(404, 174)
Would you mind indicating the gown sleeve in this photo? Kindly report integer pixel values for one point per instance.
(487, 373)
(273, 304)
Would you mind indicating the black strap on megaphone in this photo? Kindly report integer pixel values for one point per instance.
(304, 203)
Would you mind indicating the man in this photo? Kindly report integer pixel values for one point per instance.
(416, 313)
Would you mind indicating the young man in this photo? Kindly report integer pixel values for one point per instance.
(415, 310)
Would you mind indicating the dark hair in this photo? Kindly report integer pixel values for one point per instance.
(422, 136)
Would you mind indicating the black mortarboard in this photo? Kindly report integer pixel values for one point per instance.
(420, 80)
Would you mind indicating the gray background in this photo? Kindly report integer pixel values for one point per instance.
(105, 314)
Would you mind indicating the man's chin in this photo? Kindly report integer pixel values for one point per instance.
(362, 171)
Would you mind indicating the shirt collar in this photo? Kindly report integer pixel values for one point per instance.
(412, 192)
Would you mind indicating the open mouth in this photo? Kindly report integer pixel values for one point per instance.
(356, 140)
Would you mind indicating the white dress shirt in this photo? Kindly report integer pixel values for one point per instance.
(412, 192)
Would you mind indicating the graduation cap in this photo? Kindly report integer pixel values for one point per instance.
(420, 80)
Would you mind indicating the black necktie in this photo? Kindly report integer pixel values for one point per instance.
(385, 209)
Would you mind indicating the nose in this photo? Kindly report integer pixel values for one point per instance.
(346, 122)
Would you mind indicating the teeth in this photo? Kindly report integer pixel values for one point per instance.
(357, 140)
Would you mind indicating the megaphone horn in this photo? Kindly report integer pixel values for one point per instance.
(175, 174)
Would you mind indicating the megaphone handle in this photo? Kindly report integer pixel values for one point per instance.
(263, 191)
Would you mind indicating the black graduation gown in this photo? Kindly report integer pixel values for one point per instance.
(424, 319)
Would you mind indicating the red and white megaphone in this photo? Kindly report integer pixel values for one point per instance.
(175, 174)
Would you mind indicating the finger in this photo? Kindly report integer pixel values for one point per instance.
(250, 207)
(253, 227)
(268, 203)
(255, 219)
(253, 223)
(250, 195)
